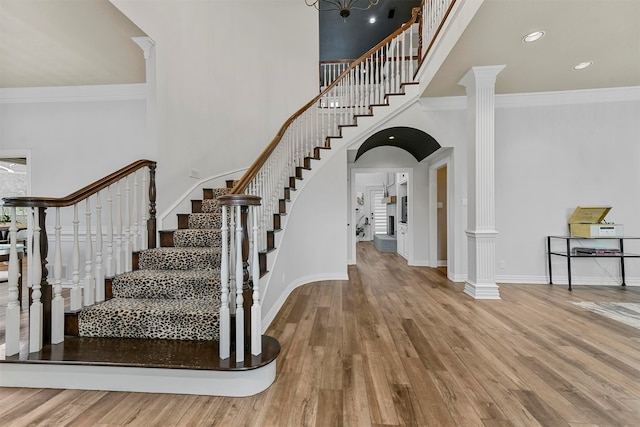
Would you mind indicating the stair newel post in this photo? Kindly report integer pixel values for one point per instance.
(36, 311)
(256, 315)
(99, 272)
(89, 281)
(127, 237)
(232, 259)
(45, 287)
(151, 221)
(225, 317)
(246, 278)
(76, 292)
(109, 263)
(12, 319)
(135, 231)
(239, 285)
(57, 305)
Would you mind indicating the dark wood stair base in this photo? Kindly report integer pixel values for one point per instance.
(140, 353)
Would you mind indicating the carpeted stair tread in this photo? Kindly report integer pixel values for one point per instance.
(175, 291)
(205, 220)
(185, 319)
(172, 258)
(212, 205)
(197, 238)
(169, 284)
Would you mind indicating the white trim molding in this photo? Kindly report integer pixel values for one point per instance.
(538, 99)
(121, 92)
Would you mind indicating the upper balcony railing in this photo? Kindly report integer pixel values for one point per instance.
(360, 84)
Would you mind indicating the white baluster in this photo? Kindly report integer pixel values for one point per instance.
(144, 206)
(135, 231)
(36, 310)
(12, 318)
(110, 261)
(89, 280)
(118, 237)
(76, 291)
(256, 314)
(239, 284)
(127, 237)
(225, 317)
(99, 274)
(57, 304)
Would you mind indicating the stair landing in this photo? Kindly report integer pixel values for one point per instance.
(155, 366)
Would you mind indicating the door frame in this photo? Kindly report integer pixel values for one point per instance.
(433, 211)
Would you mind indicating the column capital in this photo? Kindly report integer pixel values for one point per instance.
(481, 76)
(145, 43)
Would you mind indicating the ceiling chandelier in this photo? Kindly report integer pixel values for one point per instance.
(343, 6)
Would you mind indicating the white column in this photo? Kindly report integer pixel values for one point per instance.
(481, 233)
(148, 48)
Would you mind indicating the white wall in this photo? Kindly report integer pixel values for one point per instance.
(313, 243)
(553, 152)
(75, 135)
(550, 159)
(229, 73)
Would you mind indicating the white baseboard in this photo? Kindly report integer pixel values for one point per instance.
(145, 380)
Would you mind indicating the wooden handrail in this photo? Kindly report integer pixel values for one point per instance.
(337, 61)
(81, 194)
(246, 179)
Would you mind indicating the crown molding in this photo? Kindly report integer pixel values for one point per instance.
(539, 99)
(123, 92)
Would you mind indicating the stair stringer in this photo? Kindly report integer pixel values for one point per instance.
(275, 287)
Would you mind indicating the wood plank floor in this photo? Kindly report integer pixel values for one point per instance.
(398, 345)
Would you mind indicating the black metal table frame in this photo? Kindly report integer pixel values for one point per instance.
(568, 254)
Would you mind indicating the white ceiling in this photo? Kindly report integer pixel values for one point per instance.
(72, 42)
(606, 32)
(67, 43)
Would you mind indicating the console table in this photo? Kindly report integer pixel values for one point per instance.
(567, 253)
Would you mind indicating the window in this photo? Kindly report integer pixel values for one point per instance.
(379, 212)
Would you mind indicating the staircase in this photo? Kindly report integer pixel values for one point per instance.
(174, 293)
(158, 328)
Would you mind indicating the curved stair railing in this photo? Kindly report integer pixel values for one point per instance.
(259, 197)
(113, 207)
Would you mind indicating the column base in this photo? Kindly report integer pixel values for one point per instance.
(483, 291)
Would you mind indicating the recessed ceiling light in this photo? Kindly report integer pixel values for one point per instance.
(392, 137)
(583, 65)
(372, 20)
(532, 37)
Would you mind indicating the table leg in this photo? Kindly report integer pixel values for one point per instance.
(622, 262)
(569, 262)
(549, 260)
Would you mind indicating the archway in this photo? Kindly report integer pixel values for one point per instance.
(418, 143)
(408, 174)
